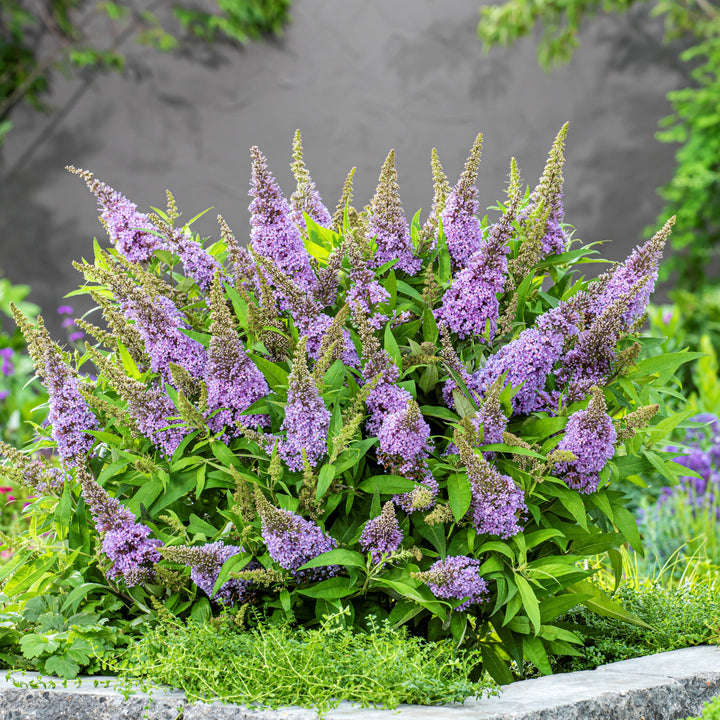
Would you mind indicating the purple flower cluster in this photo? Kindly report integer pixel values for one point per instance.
(197, 262)
(206, 562)
(471, 303)
(387, 223)
(307, 420)
(456, 577)
(528, 359)
(381, 535)
(273, 234)
(590, 435)
(125, 542)
(232, 380)
(132, 233)
(160, 325)
(69, 414)
(497, 504)
(131, 550)
(292, 541)
(463, 232)
(643, 263)
(153, 411)
(7, 367)
(404, 445)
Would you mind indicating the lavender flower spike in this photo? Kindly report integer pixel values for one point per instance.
(69, 414)
(233, 381)
(644, 261)
(470, 303)
(590, 435)
(292, 541)
(529, 358)
(456, 578)
(306, 198)
(382, 535)
(206, 562)
(131, 232)
(387, 223)
(273, 234)
(197, 262)
(307, 420)
(462, 229)
(497, 503)
(125, 541)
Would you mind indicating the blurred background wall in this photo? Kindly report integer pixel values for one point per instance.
(358, 78)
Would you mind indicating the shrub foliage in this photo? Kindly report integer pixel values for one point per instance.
(355, 415)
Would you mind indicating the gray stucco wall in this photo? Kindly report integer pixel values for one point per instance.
(357, 77)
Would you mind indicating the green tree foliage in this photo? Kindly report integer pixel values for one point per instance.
(693, 193)
(40, 39)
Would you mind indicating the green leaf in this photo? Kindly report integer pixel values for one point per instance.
(604, 606)
(223, 453)
(392, 346)
(459, 495)
(571, 501)
(553, 607)
(435, 534)
(660, 363)
(128, 363)
(331, 589)
(62, 666)
(514, 449)
(493, 663)
(430, 330)
(239, 305)
(338, 556)
(234, 563)
(63, 512)
(596, 544)
(439, 412)
(198, 525)
(34, 645)
(537, 655)
(274, 374)
(540, 428)
(626, 523)
(387, 484)
(402, 612)
(202, 338)
(529, 601)
(325, 478)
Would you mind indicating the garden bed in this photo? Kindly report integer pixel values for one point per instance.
(666, 686)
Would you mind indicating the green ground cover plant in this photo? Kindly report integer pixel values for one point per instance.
(429, 425)
(675, 617)
(275, 665)
(711, 710)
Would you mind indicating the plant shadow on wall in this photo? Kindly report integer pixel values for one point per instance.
(424, 424)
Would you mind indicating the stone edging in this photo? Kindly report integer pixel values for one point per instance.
(667, 686)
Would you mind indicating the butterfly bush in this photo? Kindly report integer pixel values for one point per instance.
(424, 419)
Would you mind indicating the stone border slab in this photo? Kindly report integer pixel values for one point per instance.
(667, 686)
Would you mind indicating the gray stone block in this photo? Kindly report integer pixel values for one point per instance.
(667, 686)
